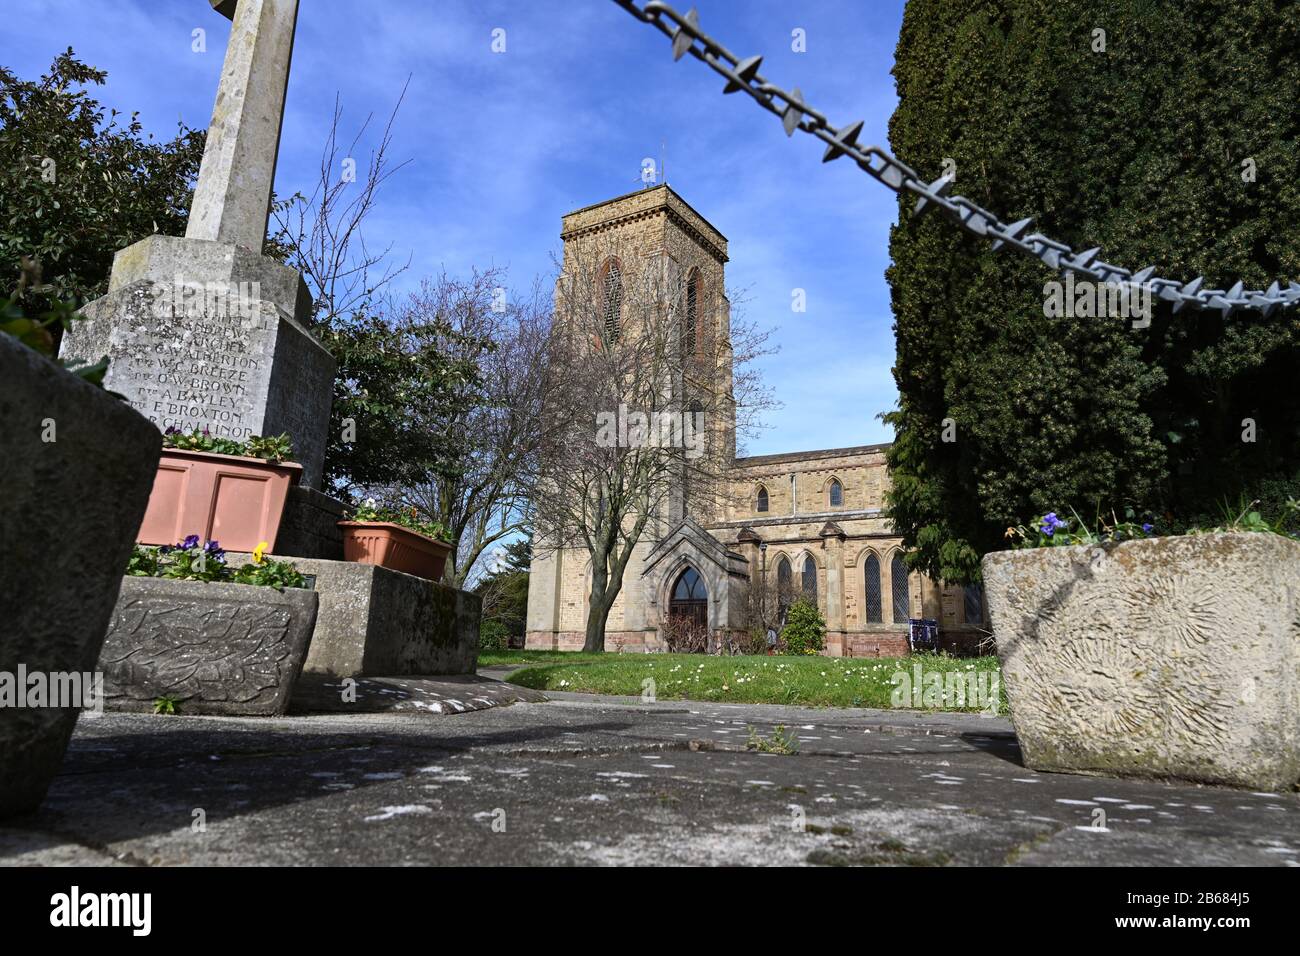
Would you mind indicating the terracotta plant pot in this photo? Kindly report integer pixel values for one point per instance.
(233, 500)
(394, 546)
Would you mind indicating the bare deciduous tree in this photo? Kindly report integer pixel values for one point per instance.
(320, 233)
(649, 380)
(497, 425)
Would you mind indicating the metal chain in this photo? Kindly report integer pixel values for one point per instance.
(795, 113)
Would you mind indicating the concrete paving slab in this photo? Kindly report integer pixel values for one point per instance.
(578, 783)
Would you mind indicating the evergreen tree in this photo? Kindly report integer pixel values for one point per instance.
(1168, 140)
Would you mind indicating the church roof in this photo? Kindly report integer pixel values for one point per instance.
(811, 455)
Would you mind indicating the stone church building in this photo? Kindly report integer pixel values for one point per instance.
(809, 522)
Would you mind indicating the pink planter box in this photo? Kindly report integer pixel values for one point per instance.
(234, 501)
(394, 546)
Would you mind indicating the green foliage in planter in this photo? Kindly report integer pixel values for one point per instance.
(80, 184)
(275, 448)
(270, 574)
(1138, 149)
(1050, 530)
(407, 517)
(805, 628)
(196, 560)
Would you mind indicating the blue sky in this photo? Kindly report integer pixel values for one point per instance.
(502, 144)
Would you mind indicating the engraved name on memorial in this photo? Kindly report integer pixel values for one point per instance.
(200, 367)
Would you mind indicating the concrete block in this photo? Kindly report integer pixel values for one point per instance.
(381, 623)
(309, 528)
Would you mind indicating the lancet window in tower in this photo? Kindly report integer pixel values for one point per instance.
(613, 300)
(692, 310)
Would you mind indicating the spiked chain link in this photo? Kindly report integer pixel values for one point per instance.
(796, 114)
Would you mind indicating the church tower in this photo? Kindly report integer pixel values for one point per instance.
(647, 253)
(651, 245)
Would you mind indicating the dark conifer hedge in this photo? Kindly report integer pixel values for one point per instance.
(1138, 149)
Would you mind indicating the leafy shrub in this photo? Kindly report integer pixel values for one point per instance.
(805, 628)
(493, 635)
(34, 332)
(1091, 411)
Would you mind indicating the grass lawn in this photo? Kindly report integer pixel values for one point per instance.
(520, 658)
(810, 681)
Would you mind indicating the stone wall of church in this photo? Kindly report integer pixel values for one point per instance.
(838, 540)
(804, 523)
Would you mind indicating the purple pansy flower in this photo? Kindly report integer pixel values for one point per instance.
(191, 541)
(1050, 523)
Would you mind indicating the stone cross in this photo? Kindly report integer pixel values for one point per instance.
(233, 197)
(203, 331)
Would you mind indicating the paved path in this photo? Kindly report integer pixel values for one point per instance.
(597, 781)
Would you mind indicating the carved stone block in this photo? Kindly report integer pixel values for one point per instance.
(1164, 657)
(214, 648)
(209, 335)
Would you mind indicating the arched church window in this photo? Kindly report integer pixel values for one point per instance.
(872, 592)
(784, 588)
(837, 493)
(690, 587)
(810, 578)
(762, 499)
(902, 592)
(692, 310)
(613, 300)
